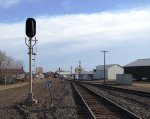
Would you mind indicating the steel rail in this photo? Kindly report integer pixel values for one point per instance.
(135, 92)
(83, 101)
(133, 116)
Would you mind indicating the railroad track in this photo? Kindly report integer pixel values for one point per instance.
(129, 91)
(133, 102)
(100, 107)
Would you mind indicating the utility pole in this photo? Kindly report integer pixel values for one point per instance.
(71, 71)
(104, 64)
(79, 69)
(59, 70)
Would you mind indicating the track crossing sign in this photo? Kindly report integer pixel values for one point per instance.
(48, 85)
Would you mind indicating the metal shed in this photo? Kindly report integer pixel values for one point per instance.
(139, 69)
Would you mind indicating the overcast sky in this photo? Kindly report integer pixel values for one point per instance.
(73, 30)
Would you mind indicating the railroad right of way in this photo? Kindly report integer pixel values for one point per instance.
(100, 107)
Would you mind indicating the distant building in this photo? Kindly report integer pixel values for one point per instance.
(139, 69)
(15, 73)
(39, 70)
(11, 75)
(63, 73)
(49, 74)
(87, 75)
(78, 72)
(110, 71)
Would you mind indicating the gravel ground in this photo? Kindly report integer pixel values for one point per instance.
(136, 104)
(14, 106)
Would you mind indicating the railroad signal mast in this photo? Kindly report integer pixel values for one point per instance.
(30, 32)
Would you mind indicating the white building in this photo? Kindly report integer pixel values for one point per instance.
(110, 71)
(87, 75)
(64, 73)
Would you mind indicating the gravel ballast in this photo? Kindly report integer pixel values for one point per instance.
(14, 106)
(136, 104)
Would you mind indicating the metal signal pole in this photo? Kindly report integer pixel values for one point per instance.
(30, 32)
(104, 65)
(30, 94)
(30, 69)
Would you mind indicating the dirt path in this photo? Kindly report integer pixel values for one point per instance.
(4, 87)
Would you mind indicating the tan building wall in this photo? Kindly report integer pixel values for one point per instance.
(39, 70)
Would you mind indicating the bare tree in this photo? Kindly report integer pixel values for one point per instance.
(18, 66)
(3, 58)
(9, 66)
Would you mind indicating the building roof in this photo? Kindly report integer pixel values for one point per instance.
(101, 67)
(139, 62)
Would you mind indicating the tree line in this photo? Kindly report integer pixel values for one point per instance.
(9, 66)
